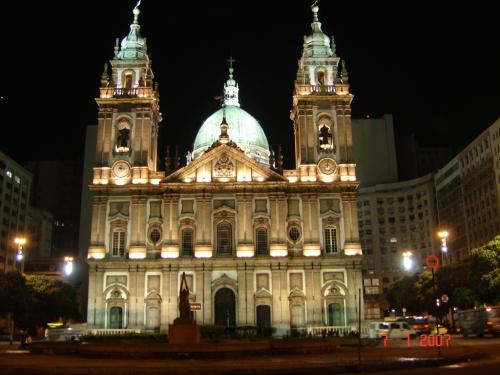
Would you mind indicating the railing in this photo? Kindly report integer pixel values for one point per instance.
(339, 331)
(121, 92)
(113, 331)
(315, 89)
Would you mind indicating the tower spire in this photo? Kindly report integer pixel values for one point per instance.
(133, 46)
(231, 88)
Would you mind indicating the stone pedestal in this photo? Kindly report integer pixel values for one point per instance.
(183, 332)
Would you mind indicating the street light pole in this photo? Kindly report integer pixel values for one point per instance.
(436, 301)
(443, 235)
(20, 241)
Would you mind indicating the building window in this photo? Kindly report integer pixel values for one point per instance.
(294, 233)
(118, 243)
(224, 238)
(187, 236)
(261, 241)
(155, 235)
(331, 240)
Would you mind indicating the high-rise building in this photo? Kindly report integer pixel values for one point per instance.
(15, 184)
(468, 195)
(57, 188)
(375, 151)
(259, 245)
(394, 218)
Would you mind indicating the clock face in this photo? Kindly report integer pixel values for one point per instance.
(327, 166)
(121, 169)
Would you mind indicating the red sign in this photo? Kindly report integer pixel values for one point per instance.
(445, 298)
(432, 261)
(195, 306)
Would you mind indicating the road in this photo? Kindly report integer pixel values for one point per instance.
(488, 365)
(21, 362)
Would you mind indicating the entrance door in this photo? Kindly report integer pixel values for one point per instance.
(263, 316)
(335, 315)
(225, 308)
(115, 317)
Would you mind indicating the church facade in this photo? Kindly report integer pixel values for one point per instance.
(259, 245)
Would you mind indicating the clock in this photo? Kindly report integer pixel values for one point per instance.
(327, 166)
(121, 169)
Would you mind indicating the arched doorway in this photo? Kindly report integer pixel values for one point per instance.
(335, 314)
(116, 317)
(263, 316)
(225, 307)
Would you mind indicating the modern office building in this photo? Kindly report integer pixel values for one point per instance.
(15, 183)
(394, 218)
(468, 195)
(375, 151)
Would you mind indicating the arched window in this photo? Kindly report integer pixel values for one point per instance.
(224, 238)
(187, 237)
(128, 81)
(118, 245)
(261, 247)
(330, 238)
(321, 77)
(122, 133)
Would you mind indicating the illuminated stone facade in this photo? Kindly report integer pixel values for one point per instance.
(259, 245)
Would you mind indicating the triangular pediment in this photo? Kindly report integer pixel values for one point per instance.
(224, 163)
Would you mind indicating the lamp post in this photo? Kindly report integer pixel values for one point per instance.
(407, 260)
(443, 235)
(20, 241)
(68, 266)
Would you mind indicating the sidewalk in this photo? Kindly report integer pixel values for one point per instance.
(345, 360)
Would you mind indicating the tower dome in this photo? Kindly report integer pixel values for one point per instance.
(244, 129)
(317, 44)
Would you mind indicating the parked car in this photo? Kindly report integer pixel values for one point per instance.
(400, 330)
(479, 321)
(420, 324)
(376, 330)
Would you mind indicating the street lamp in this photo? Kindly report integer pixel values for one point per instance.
(20, 241)
(443, 234)
(407, 260)
(68, 267)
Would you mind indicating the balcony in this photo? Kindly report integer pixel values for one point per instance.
(125, 93)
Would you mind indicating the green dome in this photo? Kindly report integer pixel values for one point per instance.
(244, 130)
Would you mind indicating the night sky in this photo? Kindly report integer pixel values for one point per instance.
(436, 68)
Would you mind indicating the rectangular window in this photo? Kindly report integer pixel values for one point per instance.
(261, 241)
(118, 243)
(293, 207)
(331, 240)
(187, 206)
(224, 238)
(187, 242)
(261, 205)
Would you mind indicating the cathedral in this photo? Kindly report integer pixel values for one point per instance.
(260, 245)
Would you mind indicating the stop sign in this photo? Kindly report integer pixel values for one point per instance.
(432, 261)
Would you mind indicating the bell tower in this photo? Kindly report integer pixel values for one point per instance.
(129, 114)
(321, 112)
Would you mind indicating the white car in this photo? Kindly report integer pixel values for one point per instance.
(400, 330)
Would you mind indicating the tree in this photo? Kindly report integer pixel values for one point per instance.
(15, 298)
(474, 281)
(485, 272)
(54, 300)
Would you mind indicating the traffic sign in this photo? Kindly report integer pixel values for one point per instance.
(444, 298)
(195, 306)
(432, 261)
